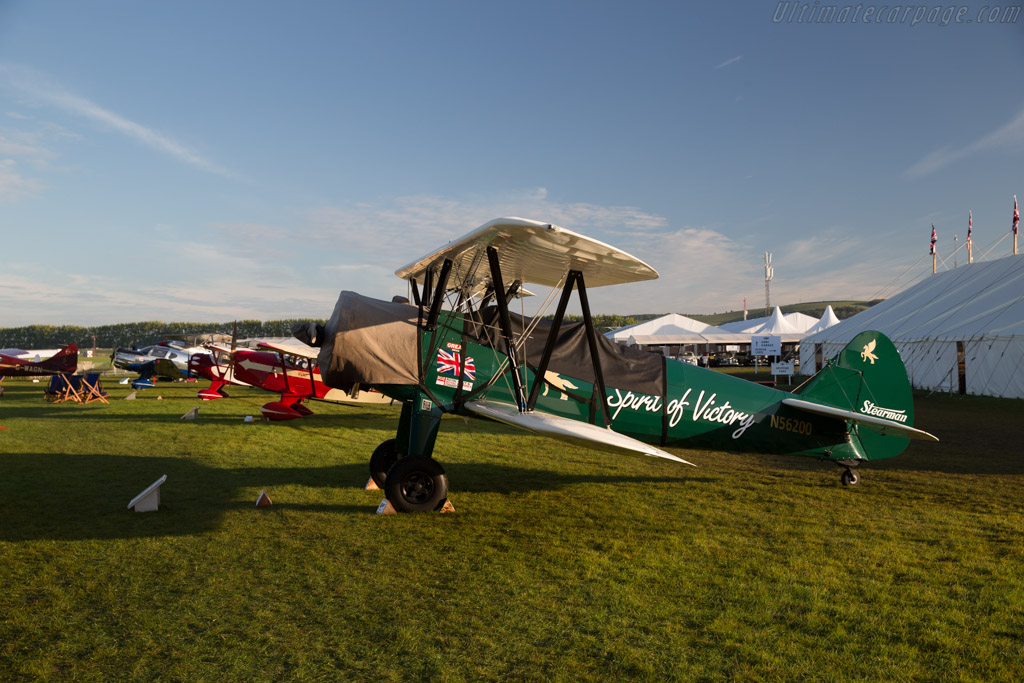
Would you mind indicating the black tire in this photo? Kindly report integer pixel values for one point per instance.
(416, 484)
(850, 477)
(384, 456)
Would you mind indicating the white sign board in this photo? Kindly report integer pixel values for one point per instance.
(765, 345)
(782, 368)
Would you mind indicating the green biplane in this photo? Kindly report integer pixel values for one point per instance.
(459, 349)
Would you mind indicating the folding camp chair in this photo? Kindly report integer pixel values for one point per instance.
(58, 389)
(91, 389)
(72, 387)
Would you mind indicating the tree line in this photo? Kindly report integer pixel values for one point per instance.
(141, 333)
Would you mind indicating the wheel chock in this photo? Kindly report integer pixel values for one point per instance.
(371, 485)
(263, 500)
(191, 414)
(149, 499)
(130, 397)
(386, 508)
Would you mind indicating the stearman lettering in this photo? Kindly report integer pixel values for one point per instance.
(870, 408)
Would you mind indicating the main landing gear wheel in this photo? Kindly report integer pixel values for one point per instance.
(416, 484)
(384, 456)
(849, 477)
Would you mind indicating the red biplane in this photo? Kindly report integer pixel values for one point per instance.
(285, 367)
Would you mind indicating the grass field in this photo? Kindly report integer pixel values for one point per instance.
(560, 563)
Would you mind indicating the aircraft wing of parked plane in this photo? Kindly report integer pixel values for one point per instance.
(565, 380)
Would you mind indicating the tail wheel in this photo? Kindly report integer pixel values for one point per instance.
(416, 484)
(849, 477)
(384, 456)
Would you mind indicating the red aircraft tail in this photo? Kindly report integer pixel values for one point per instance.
(65, 360)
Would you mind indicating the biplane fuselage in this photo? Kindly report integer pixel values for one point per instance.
(698, 408)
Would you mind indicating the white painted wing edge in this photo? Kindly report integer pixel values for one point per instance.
(531, 251)
(565, 429)
(296, 349)
(362, 397)
(882, 423)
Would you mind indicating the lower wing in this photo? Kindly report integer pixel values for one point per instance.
(564, 429)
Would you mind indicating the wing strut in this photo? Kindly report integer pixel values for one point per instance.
(549, 344)
(435, 305)
(588, 323)
(506, 327)
(574, 278)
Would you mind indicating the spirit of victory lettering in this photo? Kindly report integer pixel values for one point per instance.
(705, 408)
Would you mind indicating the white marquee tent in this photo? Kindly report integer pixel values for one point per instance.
(778, 326)
(828, 319)
(957, 331)
(794, 322)
(674, 329)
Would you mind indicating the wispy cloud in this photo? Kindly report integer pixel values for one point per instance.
(33, 84)
(296, 269)
(1010, 136)
(731, 60)
(409, 227)
(13, 185)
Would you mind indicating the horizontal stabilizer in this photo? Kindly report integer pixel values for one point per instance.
(878, 424)
(565, 429)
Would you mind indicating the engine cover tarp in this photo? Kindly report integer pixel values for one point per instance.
(369, 341)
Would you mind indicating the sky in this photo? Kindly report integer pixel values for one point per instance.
(208, 161)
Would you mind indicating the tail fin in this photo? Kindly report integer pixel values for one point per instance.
(65, 360)
(867, 377)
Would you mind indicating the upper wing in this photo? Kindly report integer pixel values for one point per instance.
(223, 348)
(530, 251)
(565, 429)
(878, 424)
(293, 347)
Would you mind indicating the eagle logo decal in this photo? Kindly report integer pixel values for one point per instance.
(867, 353)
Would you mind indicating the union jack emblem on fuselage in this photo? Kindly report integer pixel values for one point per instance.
(448, 362)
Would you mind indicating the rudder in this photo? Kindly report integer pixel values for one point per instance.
(867, 377)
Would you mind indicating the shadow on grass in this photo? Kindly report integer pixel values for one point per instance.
(77, 497)
(221, 413)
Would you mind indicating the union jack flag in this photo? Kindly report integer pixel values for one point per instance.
(448, 364)
(934, 240)
(1016, 215)
(970, 220)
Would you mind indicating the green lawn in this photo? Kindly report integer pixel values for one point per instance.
(560, 563)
